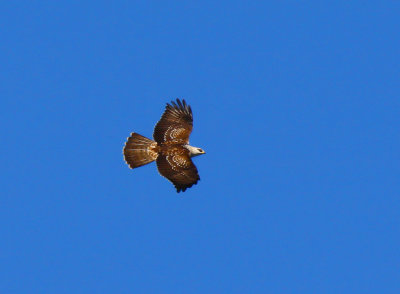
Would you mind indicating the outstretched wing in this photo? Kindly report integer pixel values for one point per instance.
(175, 124)
(179, 169)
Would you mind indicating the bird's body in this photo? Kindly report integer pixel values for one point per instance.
(170, 148)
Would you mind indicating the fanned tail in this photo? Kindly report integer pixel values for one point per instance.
(139, 150)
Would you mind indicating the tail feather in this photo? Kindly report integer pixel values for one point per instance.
(139, 150)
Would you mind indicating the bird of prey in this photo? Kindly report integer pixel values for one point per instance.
(170, 148)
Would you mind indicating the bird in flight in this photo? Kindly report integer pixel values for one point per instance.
(170, 148)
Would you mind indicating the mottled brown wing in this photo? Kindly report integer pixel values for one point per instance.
(175, 124)
(179, 169)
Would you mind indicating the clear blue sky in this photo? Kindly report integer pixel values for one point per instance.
(295, 102)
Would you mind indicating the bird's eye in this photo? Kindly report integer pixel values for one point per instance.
(200, 150)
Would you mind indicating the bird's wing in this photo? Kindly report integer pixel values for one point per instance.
(175, 124)
(179, 169)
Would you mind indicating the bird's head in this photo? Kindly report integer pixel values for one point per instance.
(195, 151)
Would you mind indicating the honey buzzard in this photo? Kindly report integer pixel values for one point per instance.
(170, 148)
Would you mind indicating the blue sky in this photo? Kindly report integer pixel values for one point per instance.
(295, 102)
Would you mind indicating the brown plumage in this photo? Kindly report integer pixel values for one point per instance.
(171, 149)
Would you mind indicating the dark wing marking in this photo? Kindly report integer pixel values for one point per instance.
(179, 169)
(175, 124)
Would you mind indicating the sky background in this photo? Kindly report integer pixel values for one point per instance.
(295, 102)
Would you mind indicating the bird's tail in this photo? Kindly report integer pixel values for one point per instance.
(139, 150)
